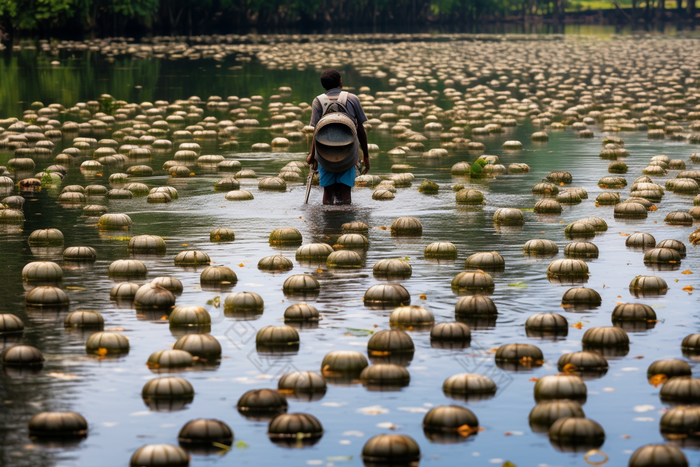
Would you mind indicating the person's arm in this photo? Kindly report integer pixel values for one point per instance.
(362, 138)
(311, 159)
(315, 117)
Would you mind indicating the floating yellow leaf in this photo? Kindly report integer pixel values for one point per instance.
(240, 265)
(423, 296)
(653, 208)
(101, 351)
(623, 234)
(466, 431)
(658, 380)
(578, 325)
(687, 271)
(326, 371)
(534, 379)
(320, 271)
(688, 288)
(76, 288)
(525, 361)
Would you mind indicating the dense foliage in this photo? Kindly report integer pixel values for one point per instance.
(114, 17)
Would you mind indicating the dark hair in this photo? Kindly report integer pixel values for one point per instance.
(330, 79)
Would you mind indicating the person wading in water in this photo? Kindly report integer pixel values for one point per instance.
(337, 185)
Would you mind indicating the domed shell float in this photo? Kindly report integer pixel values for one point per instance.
(546, 325)
(285, 237)
(390, 449)
(658, 455)
(508, 216)
(440, 250)
(474, 282)
(609, 340)
(411, 317)
(301, 284)
(385, 377)
(560, 387)
(585, 364)
(160, 455)
(58, 425)
(406, 226)
(392, 268)
(517, 357)
(107, 343)
(486, 260)
(305, 385)
(294, 429)
(314, 251)
(203, 433)
(575, 434)
(387, 295)
(563, 269)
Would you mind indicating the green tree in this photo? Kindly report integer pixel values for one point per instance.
(30, 15)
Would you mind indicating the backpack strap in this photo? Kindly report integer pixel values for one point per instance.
(326, 100)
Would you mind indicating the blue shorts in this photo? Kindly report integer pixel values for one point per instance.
(329, 178)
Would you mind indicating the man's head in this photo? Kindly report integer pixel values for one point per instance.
(331, 79)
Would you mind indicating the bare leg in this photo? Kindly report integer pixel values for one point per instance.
(329, 194)
(344, 194)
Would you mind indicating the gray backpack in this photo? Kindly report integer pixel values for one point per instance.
(335, 135)
(334, 104)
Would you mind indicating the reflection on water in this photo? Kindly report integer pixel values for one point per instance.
(107, 391)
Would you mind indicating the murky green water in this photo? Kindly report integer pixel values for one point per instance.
(108, 392)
